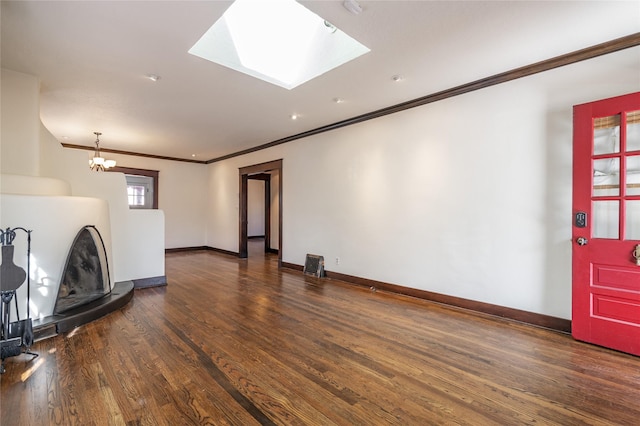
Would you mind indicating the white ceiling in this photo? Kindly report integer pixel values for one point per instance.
(93, 57)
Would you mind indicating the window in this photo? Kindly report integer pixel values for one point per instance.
(142, 187)
(139, 191)
(136, 195)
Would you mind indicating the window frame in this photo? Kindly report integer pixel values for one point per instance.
(142, 172)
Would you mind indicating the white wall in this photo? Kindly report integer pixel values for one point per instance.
(275, 210)
(255, 207)
(469, 197)
(20, 105)
(223, 204)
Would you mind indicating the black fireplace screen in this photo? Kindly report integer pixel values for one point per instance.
(86, 273)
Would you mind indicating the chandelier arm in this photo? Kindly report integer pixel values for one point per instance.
(98, 163)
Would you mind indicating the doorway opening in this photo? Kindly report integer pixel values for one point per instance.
(261, 199)
(271, 174)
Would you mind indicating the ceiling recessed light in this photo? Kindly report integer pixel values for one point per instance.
(294, 116)
(352, 6)
(153, 77)
(338, 100)
(396, 78)
(330, 27)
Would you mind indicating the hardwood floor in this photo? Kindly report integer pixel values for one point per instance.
(239, 342)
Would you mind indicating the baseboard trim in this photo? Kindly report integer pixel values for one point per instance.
(150, 282)
(532, 318)
(223, 251)
(197, 248)
(181, 249)
(292, 266)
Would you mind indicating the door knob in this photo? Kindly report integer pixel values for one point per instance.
(582, 241)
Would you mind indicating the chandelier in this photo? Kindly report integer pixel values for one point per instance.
(98, 162)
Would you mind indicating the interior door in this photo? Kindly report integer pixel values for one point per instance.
(606, 223)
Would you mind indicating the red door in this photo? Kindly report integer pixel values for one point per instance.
(606, 223)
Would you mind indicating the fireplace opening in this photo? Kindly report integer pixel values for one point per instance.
(86, 272)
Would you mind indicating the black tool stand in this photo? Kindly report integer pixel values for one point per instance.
(15, 337)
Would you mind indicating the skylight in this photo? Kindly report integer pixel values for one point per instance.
(278, 41)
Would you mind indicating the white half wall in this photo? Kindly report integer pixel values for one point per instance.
(32, 185)
(145, 244)
(468, 197)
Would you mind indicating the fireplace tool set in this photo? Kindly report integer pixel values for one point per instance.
(16, 337)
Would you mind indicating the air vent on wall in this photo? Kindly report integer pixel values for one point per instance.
(314, 265)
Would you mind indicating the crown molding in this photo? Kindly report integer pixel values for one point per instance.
(595, 51)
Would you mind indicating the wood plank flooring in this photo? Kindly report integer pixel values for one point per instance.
(239, 342)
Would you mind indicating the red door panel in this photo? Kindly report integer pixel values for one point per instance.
(606, 225)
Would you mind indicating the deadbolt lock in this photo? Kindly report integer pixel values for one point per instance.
(582, 241)
(636, 254)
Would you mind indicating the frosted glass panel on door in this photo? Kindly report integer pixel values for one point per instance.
(606, 135)
(632, 224)
(633, 175)
(606, 219)
(633, 131)
(606, 177)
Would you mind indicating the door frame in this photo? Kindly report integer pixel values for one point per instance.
(244, 174)
(266, 178)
